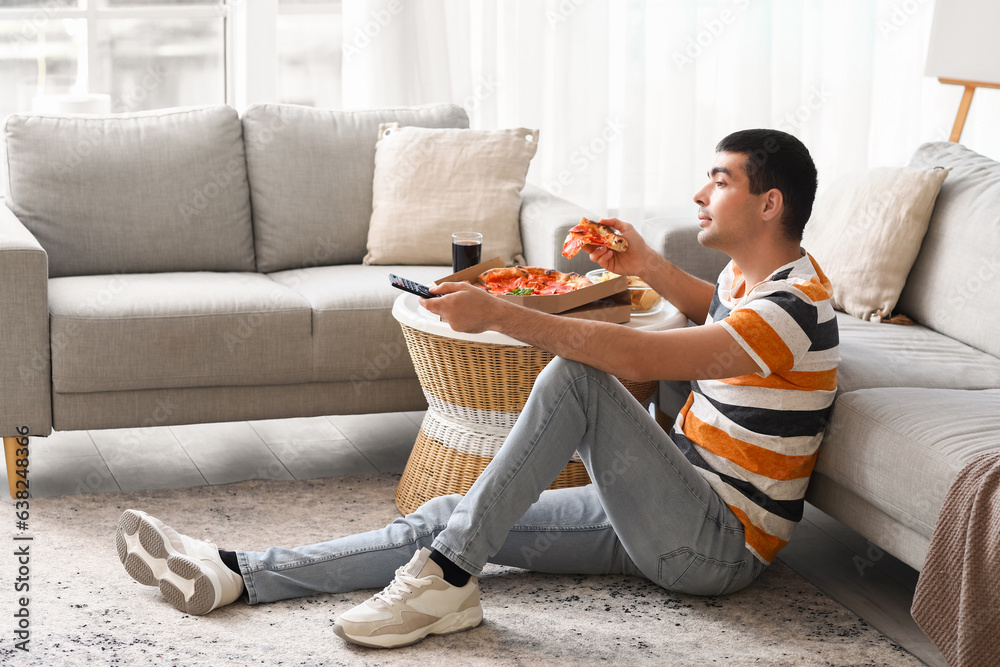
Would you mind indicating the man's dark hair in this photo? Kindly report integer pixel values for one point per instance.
(776, 159)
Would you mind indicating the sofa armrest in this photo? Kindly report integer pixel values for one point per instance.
(25, 368)
(545, 221)
(677, 240)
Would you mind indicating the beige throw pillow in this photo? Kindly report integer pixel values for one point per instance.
(432, 182)
(866, 231)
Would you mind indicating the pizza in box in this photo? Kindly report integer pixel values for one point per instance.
(530, 280)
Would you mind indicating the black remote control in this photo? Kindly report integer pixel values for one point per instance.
(411, 287)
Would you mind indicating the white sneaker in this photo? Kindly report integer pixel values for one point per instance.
(418, 602)
(189, 572)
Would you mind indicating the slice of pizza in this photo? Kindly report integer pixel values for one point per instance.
(589, 232)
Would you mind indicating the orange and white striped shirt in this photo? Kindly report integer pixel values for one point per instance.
(755, 437)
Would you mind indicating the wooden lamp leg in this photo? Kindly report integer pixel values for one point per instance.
(963, 107)
(963, 112)
(16, 451)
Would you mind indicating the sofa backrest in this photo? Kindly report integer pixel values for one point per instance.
(952, 287)
(311, 174)
(133, 193)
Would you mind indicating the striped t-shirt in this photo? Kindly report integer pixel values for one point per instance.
(755, 437)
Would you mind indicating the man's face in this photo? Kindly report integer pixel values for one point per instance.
(729, 215)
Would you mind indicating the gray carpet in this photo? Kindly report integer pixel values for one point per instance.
(86, 610)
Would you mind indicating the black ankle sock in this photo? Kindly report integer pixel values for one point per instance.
(229, 558)
(453, 574)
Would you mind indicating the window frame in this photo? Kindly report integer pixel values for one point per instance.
(250, 38)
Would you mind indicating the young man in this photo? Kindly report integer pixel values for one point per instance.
(702, 510)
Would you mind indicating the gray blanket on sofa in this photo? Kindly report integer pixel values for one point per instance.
(957, 601)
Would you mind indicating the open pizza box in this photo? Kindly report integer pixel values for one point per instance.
(608, 301)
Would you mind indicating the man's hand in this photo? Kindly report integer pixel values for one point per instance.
(636, 261)
(466, 308)
(689, 294)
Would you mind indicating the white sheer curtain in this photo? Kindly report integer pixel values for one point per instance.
(630, 96)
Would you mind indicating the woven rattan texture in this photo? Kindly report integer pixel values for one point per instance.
(485, 376)
(475, 375)
(435, 470)
(485, 421)
(466, 437)
(474, 393)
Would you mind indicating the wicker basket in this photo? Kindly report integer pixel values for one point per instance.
(474, 392)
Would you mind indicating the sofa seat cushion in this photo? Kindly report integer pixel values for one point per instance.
(155, 331)
(900, 448)
(355, 337)
(888, 355)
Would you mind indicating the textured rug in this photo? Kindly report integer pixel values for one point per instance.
(84, 609)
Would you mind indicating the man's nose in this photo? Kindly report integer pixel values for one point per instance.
(701, 197)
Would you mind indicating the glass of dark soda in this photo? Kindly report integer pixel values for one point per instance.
(466, 250)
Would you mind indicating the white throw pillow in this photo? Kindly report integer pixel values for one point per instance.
(866, 231)
(431, 182)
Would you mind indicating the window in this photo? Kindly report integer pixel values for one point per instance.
(143, 54)
(151, 54)
(309, 51)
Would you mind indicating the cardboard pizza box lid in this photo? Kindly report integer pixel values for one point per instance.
(472, 272)
(616, 309)
(556, 304)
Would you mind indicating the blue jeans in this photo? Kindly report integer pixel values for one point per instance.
(648, 511)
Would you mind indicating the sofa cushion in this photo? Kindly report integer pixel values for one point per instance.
(866, 232)
(953, 282)
(311, 176)
(888, 355)
(153, 331)
(127, 193)
(900, 448)
(355, 337)
(431, 182)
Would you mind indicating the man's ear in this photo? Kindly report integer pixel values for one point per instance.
(774, 204)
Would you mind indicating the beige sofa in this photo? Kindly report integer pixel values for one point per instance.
(188, 266)
(915, 403)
